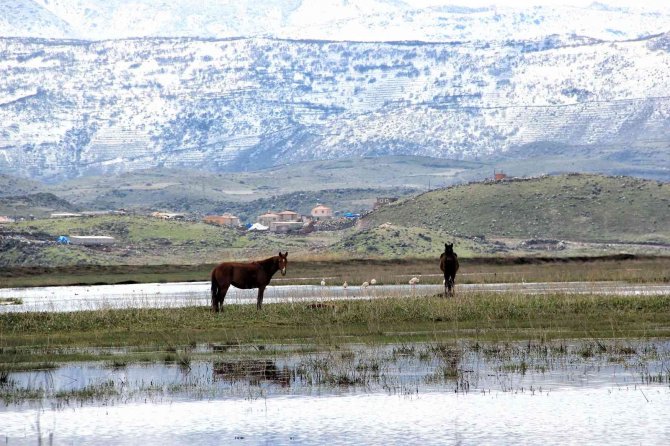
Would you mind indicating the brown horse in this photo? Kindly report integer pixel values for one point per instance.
(245, 276)
(449, 266)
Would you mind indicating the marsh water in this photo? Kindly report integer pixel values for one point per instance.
(586, 392)
(182, 294)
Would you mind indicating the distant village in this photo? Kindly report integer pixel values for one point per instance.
(321, 217)
(280, 222)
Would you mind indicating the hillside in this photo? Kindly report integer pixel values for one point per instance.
(588, 208)
(555, 216)
(345, 185)
(73, 108)
(139, 240)
(201, 191)
(39, 204)
(11, 185)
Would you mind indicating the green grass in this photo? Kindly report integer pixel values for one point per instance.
(139, 240)
(134, 229)
(483, 219)
(477, 316)
(392, 241)
(572, 207)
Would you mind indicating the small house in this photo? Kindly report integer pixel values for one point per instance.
(321, 212)
(499, 175)
(268, 218)
(168, 215)
(223, 220)
(383, 201)
(288, 216)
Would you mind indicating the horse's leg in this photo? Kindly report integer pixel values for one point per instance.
(215, 296)
(450, 282)
(259, 302)
(446, 285)
(222, 294)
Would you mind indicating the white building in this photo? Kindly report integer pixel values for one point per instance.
(89, 240)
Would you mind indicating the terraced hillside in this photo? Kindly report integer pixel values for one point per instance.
(571, 207)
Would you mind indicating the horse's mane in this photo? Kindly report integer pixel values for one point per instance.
(269, 263)
(268, 260)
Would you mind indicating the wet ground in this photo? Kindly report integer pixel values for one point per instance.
(590, 392)
(181, 294)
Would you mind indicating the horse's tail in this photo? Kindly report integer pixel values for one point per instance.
(215, 292)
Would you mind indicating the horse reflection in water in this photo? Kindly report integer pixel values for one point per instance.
(252, 370)
(245, 276)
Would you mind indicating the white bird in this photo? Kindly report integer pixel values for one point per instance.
(413, 280)
(364, 285)
(345, 285)
(373, 282)
(323, 282)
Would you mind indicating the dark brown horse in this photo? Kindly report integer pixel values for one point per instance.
(245, 276)
(449, 266)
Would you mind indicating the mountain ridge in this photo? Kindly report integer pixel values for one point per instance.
(76, 108)
(376, 20)
(239, 104)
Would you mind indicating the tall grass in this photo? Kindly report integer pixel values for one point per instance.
(478, 315)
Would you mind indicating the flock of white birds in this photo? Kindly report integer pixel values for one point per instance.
(413, 281)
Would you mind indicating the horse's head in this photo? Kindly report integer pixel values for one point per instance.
(449, 248)
(283, 262)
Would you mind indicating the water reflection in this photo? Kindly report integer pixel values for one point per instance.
(252, 371)
(431, 393)
(184, 294)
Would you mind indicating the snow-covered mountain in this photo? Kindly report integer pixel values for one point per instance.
(359, 20)
(76, 107)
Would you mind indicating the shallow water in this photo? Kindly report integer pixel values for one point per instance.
(182, 294)
(613, 392)
(617, 415)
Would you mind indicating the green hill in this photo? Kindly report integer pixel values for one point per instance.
(39, 204)
(139, 240)
(11, 185)
(572, 207)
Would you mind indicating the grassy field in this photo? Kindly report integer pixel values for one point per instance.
(36, 340)
(139, 240)
(30, 339)
(572, 207)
